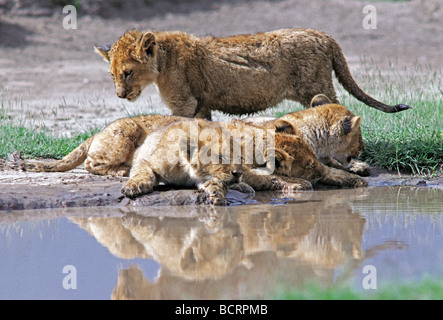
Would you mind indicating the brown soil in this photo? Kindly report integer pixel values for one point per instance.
(51, 77)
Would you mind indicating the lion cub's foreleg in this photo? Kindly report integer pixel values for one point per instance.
(184, 105)
(262, 182)
(142, 181)
(341, 178)
(215, 191)
(355, 166)
(359, 167)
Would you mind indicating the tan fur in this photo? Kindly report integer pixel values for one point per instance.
(174, 155)
(109, 152)
(237, 75)
(331, 130)
(139, 145)
(294, 166)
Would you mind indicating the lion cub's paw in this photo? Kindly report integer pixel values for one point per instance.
(214, 192)
(352, 181)
(243, 188)
(293, 185)
(359, 167)
(123, 172)
(14, 161)
(357, 182)
(134, 188)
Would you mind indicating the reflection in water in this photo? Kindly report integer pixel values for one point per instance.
(231, 253)
(252, 250)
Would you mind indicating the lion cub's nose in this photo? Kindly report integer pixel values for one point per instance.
(121, 92)
(237, 173)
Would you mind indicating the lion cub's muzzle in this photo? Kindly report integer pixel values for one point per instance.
(121, 92)
(236, 174)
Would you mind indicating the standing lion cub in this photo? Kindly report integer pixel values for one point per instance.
(238, 75)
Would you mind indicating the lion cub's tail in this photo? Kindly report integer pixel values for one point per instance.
(344, 76)
(69, 162)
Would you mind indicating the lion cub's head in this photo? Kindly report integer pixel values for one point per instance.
(294, 158)
(330, 129)
(132, 63)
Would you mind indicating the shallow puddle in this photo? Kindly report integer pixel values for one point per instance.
(366, 237)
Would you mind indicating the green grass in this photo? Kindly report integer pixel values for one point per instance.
(34, 144)
(410, 140)
(425, 289)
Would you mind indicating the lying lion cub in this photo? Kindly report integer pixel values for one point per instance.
(331, 130)
(132, 145)
(237, 75)
(212, 156)
(188, 153)
(108, 152)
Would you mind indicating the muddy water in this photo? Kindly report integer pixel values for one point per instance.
(390, 234)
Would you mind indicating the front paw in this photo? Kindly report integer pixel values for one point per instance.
(214, 193)
(296, 186)
(243, 188)
(215, 199)
(360, 168)
(133, 188)
(290, 184)
(357, 182)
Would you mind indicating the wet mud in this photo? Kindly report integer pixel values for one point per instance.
(78, 188)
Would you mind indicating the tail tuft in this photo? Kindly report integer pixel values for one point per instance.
(14, 161)
(401, 107)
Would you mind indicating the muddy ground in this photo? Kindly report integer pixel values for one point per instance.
(50, 77)
(78, 188)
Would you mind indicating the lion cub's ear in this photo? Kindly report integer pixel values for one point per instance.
(284, 127)
(274, 157)
(350, 123)
(104, 51)
(319, 100)
(144, 48)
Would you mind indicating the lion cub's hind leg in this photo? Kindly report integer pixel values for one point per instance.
(100, 167)
(316, 91)
(112, 150)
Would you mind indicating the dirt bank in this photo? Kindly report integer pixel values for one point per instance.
(78, 188)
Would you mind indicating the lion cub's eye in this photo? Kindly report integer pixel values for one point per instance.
(128, 74)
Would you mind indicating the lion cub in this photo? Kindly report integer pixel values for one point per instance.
(331, 130)
(189, 153)
(122, 146)
(288, 156)
(212, 156)
(108, 152)
(237, 75)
